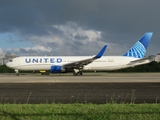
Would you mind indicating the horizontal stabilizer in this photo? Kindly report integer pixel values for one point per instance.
(150, 58)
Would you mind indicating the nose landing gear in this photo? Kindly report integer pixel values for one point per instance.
(17, 72)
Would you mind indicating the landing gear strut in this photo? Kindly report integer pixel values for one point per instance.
(77, 72)
(17, 72)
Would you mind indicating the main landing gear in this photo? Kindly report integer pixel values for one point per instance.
(77, 72)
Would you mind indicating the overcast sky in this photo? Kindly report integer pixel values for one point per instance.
(72, 27)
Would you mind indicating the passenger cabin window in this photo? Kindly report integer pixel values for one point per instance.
(110, 60)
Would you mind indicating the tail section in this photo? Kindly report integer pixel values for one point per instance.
(138, 50)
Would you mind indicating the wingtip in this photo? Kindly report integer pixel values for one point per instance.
(99, 55)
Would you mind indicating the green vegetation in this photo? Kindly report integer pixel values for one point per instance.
(5, 69)
(80, 112)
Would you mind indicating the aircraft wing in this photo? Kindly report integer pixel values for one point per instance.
(151, 58)
(81, 63)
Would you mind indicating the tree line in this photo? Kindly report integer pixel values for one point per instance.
(151, 67)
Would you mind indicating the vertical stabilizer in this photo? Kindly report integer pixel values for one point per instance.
(138, 50)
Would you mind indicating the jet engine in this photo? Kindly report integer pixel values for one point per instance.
(57, 69)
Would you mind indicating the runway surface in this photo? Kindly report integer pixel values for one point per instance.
(86, 78)
(90, 88)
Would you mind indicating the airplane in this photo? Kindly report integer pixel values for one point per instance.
(61, 64)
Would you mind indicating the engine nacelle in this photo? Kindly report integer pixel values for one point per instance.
(57, 69)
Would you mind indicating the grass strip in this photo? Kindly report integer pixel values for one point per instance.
(79, 111)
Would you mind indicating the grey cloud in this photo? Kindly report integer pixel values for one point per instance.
(30, 52)
(80, 37)
(26, 51)
(121, 22)
(112, 16)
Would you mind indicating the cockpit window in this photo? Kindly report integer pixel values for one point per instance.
(10, 60)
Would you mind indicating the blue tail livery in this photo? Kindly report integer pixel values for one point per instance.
(138, 50)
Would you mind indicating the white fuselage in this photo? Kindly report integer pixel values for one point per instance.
(45, 62)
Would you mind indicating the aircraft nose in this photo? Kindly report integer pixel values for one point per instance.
(8, 64)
